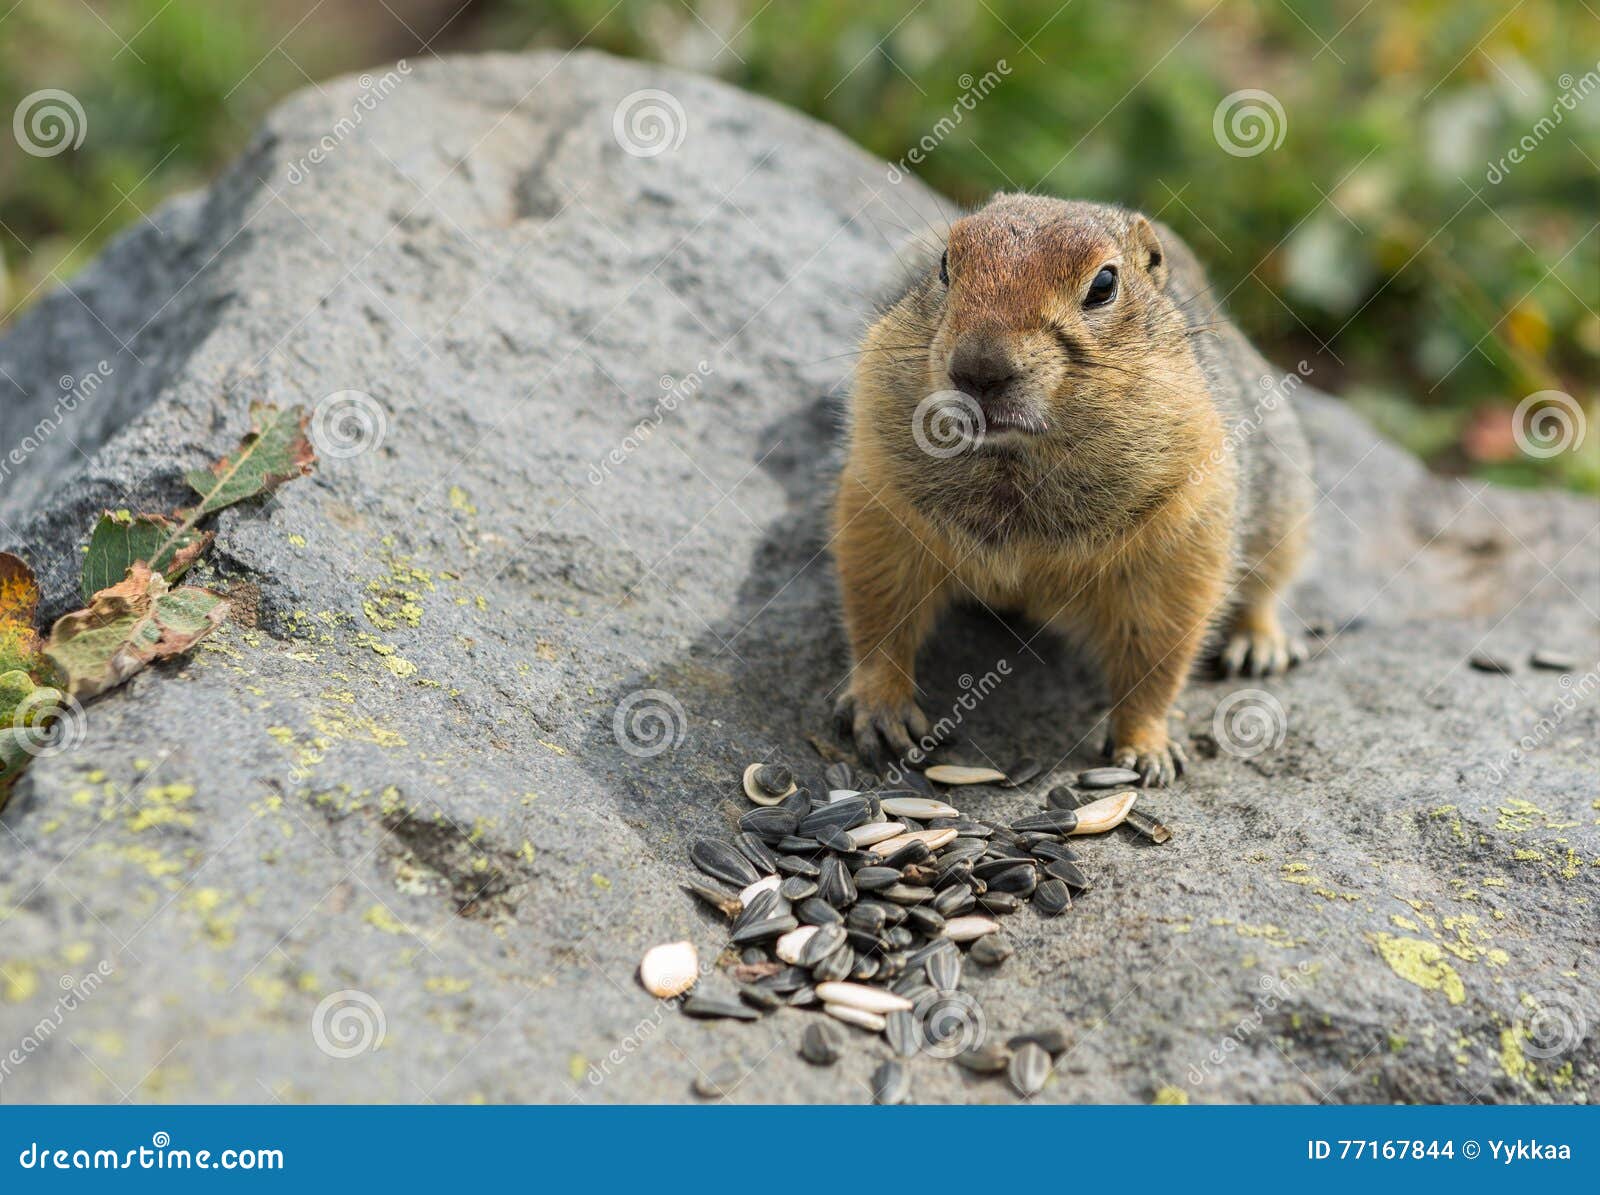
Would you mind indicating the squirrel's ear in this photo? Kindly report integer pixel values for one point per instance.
(1152, 257)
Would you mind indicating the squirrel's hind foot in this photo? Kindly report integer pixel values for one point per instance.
(1157, 766)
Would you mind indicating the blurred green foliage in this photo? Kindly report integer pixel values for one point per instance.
(1389, 240)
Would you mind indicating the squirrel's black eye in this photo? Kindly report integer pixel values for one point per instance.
(1103, 289)
(944, 268)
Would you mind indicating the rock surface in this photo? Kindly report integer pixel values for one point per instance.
(402, 779)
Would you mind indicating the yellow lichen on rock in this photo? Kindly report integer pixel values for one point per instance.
(1422, 963)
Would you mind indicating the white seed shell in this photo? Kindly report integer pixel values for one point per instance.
(1105, 814)
(918, 807)
(949, 773)
(855, 1016)
(933, 839)
(790, 945)
(670, 969)
(860, 996)
(756, 889)
(875, 832)
(969, 928)
(754, 791)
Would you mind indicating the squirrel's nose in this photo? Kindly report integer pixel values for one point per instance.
(982, 369)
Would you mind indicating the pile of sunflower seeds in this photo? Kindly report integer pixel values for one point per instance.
(861, 901)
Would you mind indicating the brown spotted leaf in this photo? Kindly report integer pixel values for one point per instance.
(275, 450)
(127, 626)
(119, 539)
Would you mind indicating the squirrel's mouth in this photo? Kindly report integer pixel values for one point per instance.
(1011, 419)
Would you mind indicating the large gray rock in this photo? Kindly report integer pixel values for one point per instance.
(402, 778)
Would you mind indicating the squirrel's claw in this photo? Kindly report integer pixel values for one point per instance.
(882, 733)
(1157, 768)
(1259, 653)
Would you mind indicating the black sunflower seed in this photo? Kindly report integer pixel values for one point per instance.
(790, 979)
(891, 964)
(915, 851)
(753, 849)
(1067, 872)
(890, 1085)
(797, 803)
(761, 931)
(834, 838)
(999, 902)
(821, 944)
(719, 1080)
(903, 1033)
(866, 967)
(954, 872)
(714, 1007)
(726, 903)
(797, 888)
(907, 894)
(773, 778)
(993, 867)
(924, 920)
(821, 1043)
(752, 955)
(802, 996)
(1147, 826)
(1061, 797)
(1056, 821)
(963, 848)
(1017, 881)
(834, 884)
(954, 900)
(1051, 1041)
(792, 844)
(1484, 662)
(1055, 850)
(763, 998)
(865, 941)
(990, 950)
(770, 823)
(794, 865)
(816, 911)
(1052, 898)
(720, 861)
(868, 918)
(839, 775)
(944, 969)
(762, 905)
(841, 815)
(984, 1060)
(836, 966)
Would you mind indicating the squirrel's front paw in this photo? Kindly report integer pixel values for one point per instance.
(1260, 651)
(884, 729)
(1158, 763)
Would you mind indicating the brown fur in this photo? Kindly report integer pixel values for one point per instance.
(1115, 521)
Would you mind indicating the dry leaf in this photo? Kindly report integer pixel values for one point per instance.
(127, 626)
(19, 602)
(275, 450)
(166, 545)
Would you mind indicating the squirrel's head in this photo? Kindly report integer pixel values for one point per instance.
(1044, 353)
(1047, 309)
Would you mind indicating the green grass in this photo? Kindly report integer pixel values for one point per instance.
(1371, 242)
